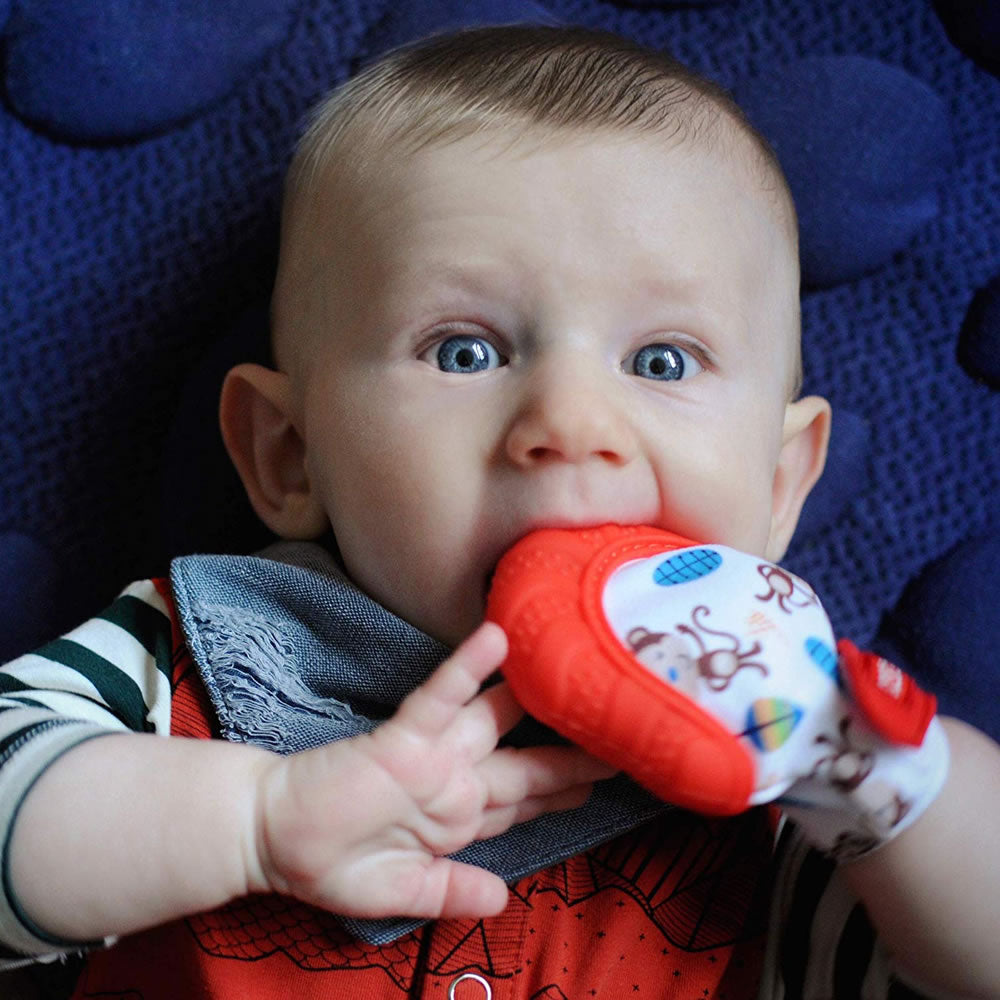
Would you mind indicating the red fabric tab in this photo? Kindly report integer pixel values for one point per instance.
(891, 701)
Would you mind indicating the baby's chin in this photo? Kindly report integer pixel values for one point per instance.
(455, 620)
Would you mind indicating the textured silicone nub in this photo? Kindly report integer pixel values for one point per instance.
(570, 671)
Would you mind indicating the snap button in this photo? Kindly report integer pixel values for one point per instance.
(469, 977)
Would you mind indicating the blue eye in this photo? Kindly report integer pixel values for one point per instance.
(663, 362)
(466, 355)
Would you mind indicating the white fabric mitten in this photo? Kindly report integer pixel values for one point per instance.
(843, 740)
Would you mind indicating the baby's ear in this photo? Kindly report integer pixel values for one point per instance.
(255, 415)
(803, 454)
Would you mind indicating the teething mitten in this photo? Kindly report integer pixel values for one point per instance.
(713, 678)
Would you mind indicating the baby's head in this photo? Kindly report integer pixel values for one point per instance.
(529, 277)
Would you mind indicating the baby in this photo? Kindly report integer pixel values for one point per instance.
(529, 278)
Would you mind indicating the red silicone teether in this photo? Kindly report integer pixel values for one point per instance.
(570, 671)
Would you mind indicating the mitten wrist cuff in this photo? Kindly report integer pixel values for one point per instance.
(869, 791)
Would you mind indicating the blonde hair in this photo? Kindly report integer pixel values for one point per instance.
(518, 77)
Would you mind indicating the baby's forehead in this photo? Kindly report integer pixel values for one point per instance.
(340, 184)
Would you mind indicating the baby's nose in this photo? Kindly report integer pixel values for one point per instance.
(567, 416)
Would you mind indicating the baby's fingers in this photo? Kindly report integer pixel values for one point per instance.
(433, 706)
(523, 784)
(517, 775)
(456, 890)
(496, 821)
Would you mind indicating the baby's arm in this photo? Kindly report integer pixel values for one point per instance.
(128, 831)
(727, 691)
(932, 892)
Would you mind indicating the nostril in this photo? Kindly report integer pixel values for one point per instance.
(541, 453)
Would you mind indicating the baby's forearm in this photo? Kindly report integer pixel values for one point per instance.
(128, 831)
(163, 831)
(932, 891)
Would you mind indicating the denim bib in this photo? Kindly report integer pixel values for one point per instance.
(294, 656)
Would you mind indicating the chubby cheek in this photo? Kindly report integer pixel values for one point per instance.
(403, 520)
(720, 491)
(724, 516)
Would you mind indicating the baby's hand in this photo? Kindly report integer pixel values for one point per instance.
(362, 827)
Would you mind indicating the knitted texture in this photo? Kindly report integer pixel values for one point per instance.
(123, 263)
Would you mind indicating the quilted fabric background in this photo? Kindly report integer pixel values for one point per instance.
(139, 199)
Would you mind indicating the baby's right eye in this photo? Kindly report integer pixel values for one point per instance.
(464, 354)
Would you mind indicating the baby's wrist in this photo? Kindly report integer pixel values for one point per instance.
(880, 759)
(883, 791)
(268, 778)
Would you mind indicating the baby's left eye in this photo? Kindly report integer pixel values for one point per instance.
(465, 354)
(663, 363)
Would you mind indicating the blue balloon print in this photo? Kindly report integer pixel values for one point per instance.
(824, 657)
(691, 564)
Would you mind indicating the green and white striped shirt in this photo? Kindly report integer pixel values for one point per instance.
(112, 674)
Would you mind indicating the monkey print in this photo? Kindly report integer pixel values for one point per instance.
(667, 656)
(719, 665)
(790, 592)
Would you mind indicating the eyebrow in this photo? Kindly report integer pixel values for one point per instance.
(463, 276)
(684, 294)
(436, 280)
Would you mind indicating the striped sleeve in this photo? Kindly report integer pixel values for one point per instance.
(821, 944)
(112, 674)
